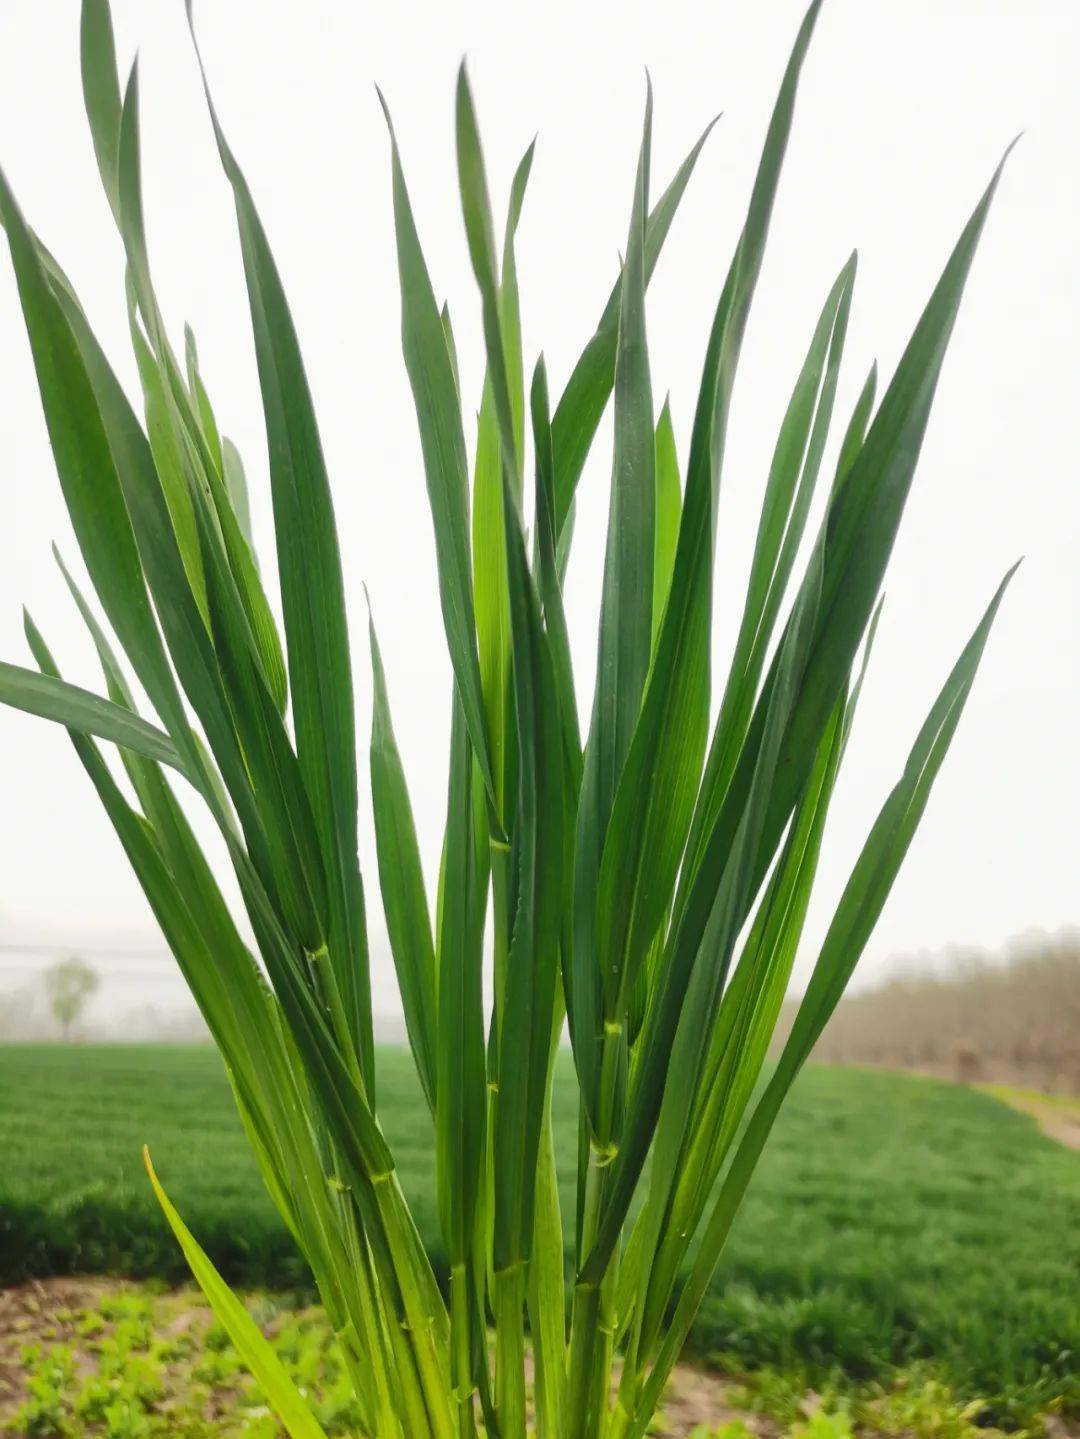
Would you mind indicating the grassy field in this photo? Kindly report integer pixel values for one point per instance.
(894, 1219)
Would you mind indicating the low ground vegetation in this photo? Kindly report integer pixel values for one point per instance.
(87, 1358)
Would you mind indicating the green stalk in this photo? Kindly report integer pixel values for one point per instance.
(372, 1348)
(461, 1368)
(429, 1352)
(510, 1351)
(422, 1346)
(592, 1323)
(508, 1295)
(593, 1320)
(404, 1246)
(500, 922)
(410, 1386)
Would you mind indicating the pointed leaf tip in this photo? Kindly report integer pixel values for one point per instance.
(995, 178)
(386, 115)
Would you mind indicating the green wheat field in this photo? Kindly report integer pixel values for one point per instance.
(895, 1220)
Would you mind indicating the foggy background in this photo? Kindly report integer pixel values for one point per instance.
(904, 110)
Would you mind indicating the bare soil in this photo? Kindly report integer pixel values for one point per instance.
(46, 1311)
(33, 1314)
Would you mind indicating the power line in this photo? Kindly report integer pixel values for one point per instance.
(86, 952)
(107, 975)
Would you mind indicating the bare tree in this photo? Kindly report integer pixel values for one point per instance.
(1013, 1018)
(69, 983)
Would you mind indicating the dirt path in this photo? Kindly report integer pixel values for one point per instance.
(1056, 1115)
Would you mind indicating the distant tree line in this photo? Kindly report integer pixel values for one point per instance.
(1012, 1018)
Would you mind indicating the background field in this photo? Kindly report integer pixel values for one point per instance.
(893, 1219)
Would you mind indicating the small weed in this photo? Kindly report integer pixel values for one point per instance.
(177, 1386)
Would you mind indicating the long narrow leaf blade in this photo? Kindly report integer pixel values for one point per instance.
(81, 710)
(861, 530)
(785, 506)
(460, 1114)
(402, 880)
(315, 619)
(668, 514)
(270, 1374)
(88, 472)
(588, 390)
(101, 92)
(438, 412)
(489, 545)
(625, 641)
(538, 863)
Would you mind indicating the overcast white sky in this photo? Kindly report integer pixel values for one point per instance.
(905, 108)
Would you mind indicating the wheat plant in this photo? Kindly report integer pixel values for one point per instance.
(643, 878)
